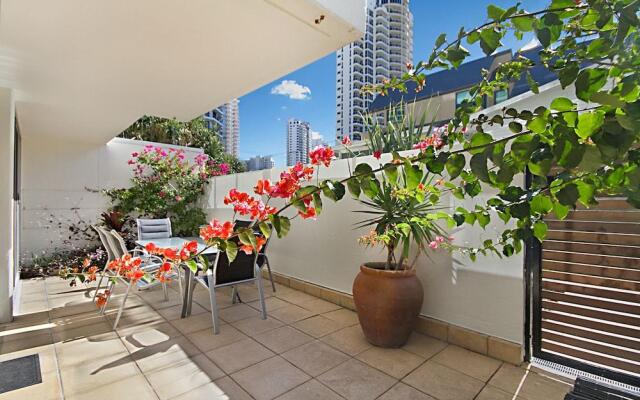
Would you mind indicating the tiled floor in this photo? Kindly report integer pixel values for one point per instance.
(307, 349)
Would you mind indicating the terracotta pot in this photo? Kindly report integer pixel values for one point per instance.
(388, 303)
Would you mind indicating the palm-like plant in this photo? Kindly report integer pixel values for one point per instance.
(400, 132)
(403, 208)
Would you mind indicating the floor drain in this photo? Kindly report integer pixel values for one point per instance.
(20, 372)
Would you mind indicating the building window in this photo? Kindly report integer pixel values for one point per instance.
(396, 113)
(461, 97)
(500, 95)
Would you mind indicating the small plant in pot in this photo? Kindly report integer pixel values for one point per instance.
(402, 203)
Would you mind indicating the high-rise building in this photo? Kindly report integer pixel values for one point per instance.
(383, 53)
(297, 142)
(226, 119)
(260, 162)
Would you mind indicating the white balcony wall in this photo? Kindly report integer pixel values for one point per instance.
(485, 296)
(62, 182)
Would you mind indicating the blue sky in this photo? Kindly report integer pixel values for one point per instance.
(264, 112)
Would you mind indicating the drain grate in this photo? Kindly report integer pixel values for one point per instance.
(573, 373)
(20, 372)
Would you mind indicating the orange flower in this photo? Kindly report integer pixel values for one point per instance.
(248, 249)
(310, 213)
(321, 155)
(217, 230)
(263, 187)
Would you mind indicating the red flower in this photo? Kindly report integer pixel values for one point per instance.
(151, 248)
(321, 155)
(346, 141)
(248, 249)
(377, 154)
(434, 141)
(170, 254)
(310, 213)
(263, 187)
(216, 230)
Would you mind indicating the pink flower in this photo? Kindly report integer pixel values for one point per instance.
(346, 141)
(439, 239)
(451, 238)
(134, 154)
(377, 154)
(131, 162)
(433, 245)
(321, 155)
(178, 198)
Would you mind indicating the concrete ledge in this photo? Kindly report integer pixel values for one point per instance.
(475, 341)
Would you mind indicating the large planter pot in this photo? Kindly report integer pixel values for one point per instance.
(388, 303)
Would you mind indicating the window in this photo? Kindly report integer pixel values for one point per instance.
(395, 113)
(500, 95)
(461, 97)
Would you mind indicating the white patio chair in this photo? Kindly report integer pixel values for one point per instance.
(150, 265)
(153, 228)
(102, 234)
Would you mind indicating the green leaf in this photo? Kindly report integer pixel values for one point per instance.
(515, 127)
(540, 230)
(265, 228)
(589, 123)
(562, 104)
(568, 74)
(561, 211)
(533, 85)
(568, 195)
(193, 266)
(413, 175)
(478, 165)
(590, 81)
(391, 171)
(523, 23)
(455, 165)
(495, 12)
(370, 187)
(537, 125)
(317, 203)
(541, 204)
(489, 40)
(440, 40)
(231, 250)
(363, 169)
(280, 224)
(479, 140)
(333, 189)
(587, 193)
(354, 187)
(456, 55)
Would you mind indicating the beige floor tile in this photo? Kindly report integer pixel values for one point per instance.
(164, 354)
(256, 325)
(443, 382)
(315, 358)
(237, 312)
(175, 312)
(473, 364)
(404, 392)
(181, 377)
(222, 389)
(395, 362)
(319, 306)
(205, 340)
(14, 342)
(528, 384)
(98, 326)
(355, 380)
(272, 303)
(292, 313)
(194, 323)
(343, 316)
(49, 389)
(311, 390)
(270, 378)
(318, 326)
(349, 340)
(294, 296)
(155, 298)
(148, 334)
(25, 320)
(492, 393)
(79, 352)
(70, 305)
(424, 346)
(283, 339)
(239, 355)
(131, 387)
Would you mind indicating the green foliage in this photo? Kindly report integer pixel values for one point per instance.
(166, 185)
(400, 132)
(575, 153)
(193, 133)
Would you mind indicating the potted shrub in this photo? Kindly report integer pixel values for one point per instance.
(402, 203)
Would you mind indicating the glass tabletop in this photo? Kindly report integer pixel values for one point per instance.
(177, 243)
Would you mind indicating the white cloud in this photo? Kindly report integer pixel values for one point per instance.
(316, 139)
(283, 107)
(316, 135)
(292, 89)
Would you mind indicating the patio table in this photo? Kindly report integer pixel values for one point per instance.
(177, 243)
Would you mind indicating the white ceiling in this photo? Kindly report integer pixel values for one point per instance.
(87, 69)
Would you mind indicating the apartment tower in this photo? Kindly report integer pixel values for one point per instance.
(383, 53)
(297, 142)
(226, 119)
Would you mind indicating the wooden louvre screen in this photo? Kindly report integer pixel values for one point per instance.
(590, 289)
